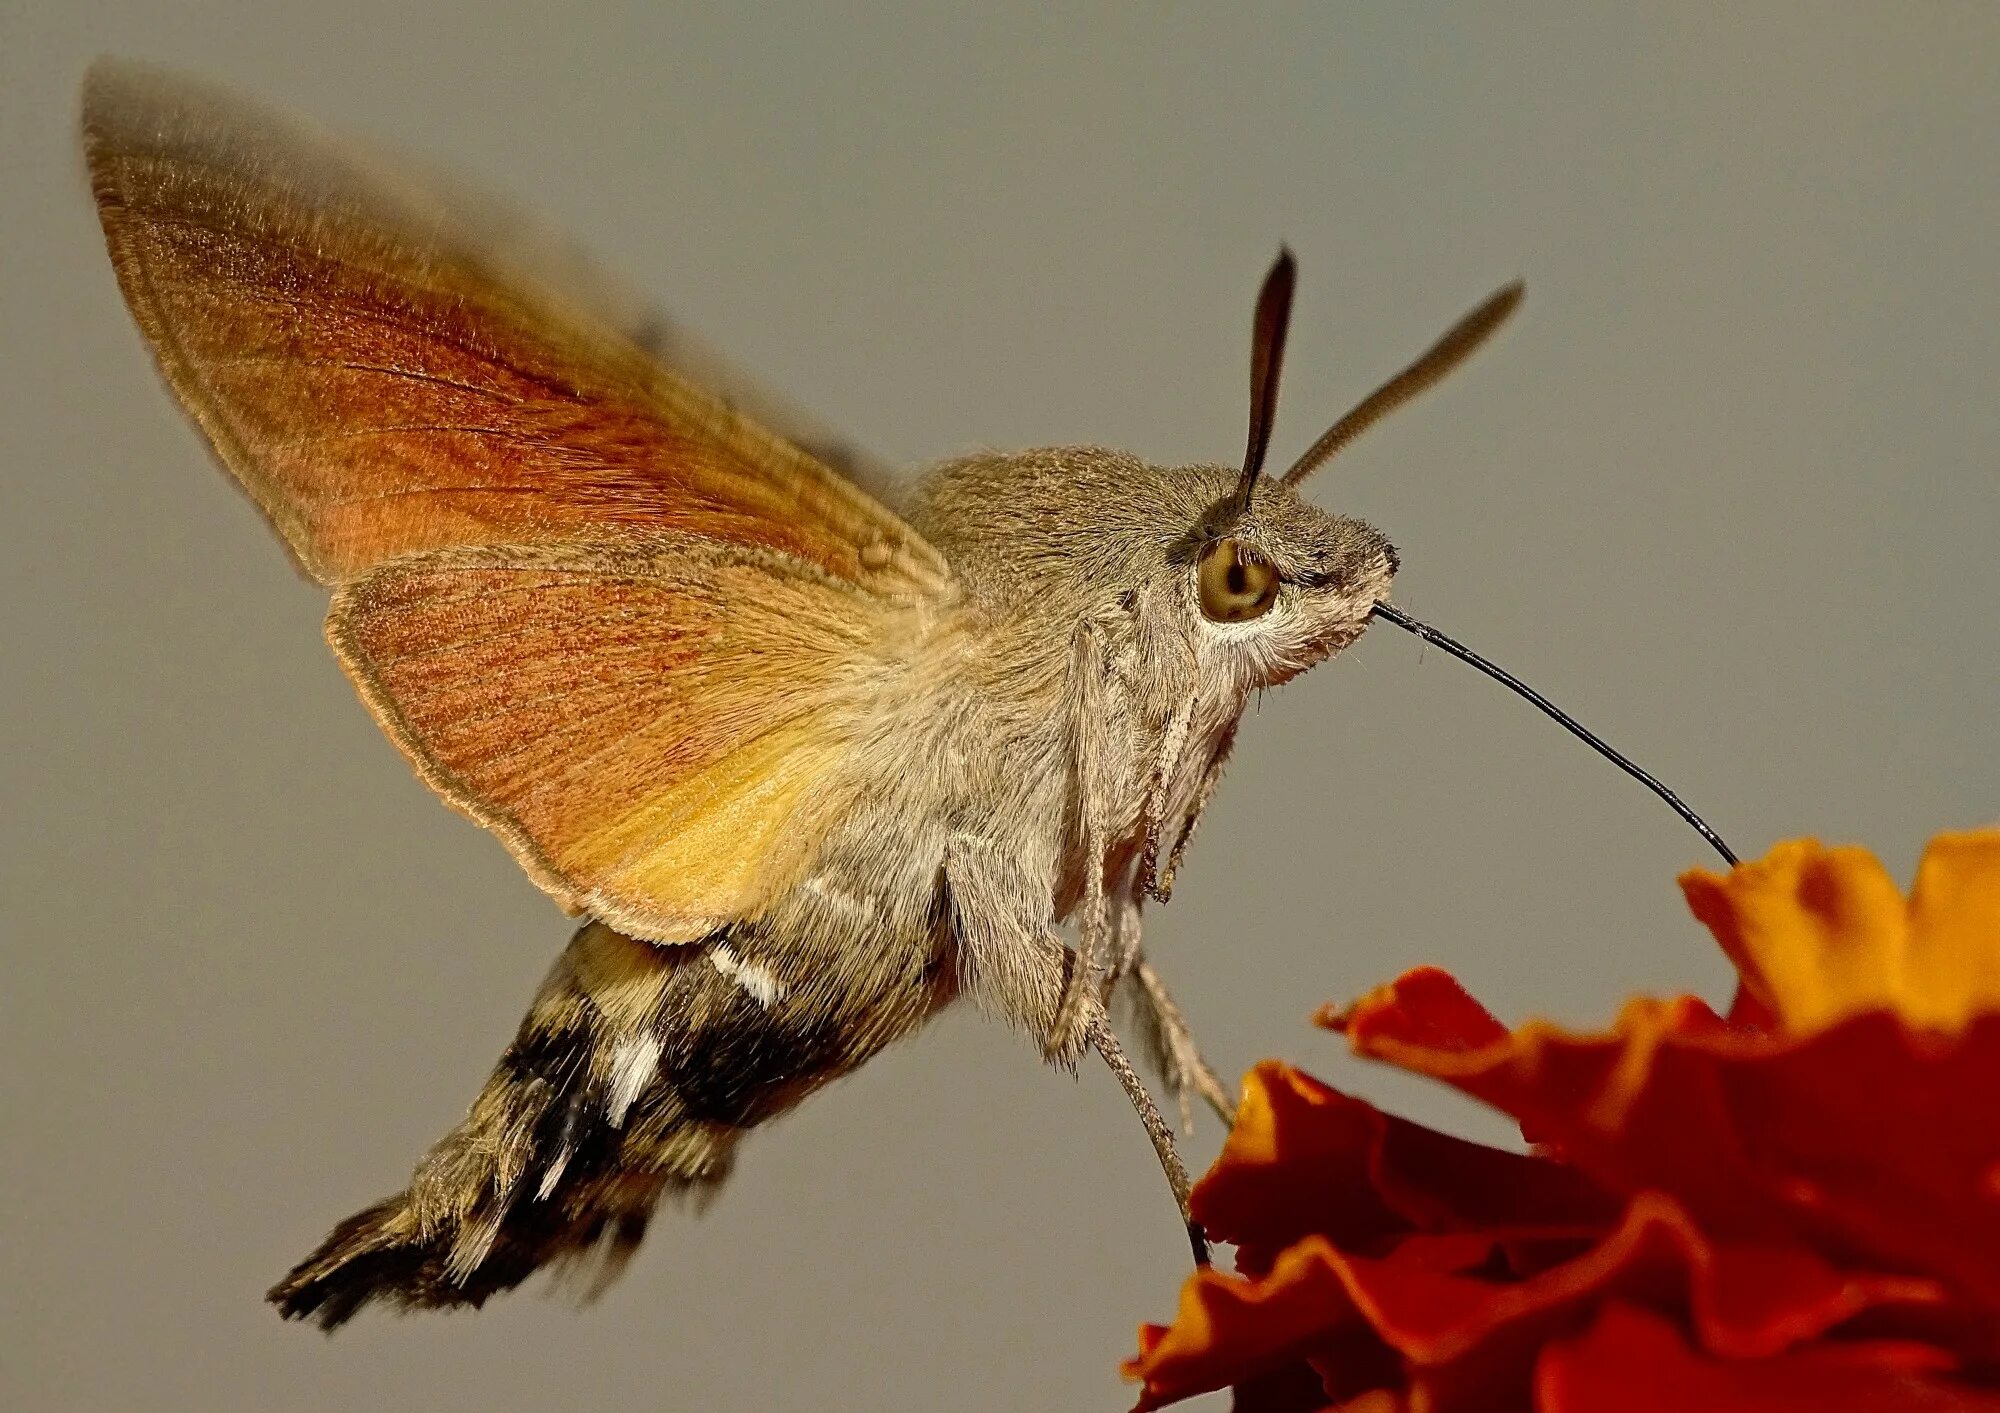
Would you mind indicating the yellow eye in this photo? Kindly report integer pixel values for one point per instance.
(1236, 585)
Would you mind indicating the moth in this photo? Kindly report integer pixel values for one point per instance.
(810, 769)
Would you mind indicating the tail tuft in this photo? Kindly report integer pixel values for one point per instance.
(378, 1255)
(559, 1163)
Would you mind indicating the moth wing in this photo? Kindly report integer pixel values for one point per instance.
(548, 257)
(384, 377)
(658, 728)
(604, 612)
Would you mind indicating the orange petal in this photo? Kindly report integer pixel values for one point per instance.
(1817, 934)
(1954, 966)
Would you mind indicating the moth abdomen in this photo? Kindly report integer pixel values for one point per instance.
(561, 1159)
(632, 1078)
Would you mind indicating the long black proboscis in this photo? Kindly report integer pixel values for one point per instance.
(1562, 718)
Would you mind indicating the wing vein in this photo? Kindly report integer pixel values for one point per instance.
(251, 360)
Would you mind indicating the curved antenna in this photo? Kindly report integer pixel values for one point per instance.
(1267, 355)
(1433, 363)
(1562, 718)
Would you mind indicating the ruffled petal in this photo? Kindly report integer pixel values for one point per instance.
(1868, 1135)
(1466, 1332)
(1305, 1158)
(1954, 971)
(1631, 1360)
(1817, 934)
(1428, 1007)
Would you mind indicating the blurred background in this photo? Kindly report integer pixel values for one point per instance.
(1726, 489)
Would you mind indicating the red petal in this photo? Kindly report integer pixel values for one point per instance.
(1633, 1361)
(1427, 1006)
(1306, 1158)
(1294, 1388)
(1866, 1137)
(1463, 1339)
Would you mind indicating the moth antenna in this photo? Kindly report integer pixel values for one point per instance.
(1267, 355)
(1562, 718)
(1432, 364)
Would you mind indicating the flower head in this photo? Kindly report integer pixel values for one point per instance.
(1795, 1206)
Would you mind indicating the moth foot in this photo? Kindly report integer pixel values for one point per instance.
(1170, 1045)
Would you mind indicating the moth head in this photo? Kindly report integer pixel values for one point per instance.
(1281, 581)
(1280, 585)
(1261, 582)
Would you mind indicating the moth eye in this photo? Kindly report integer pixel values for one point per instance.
(1236, 585)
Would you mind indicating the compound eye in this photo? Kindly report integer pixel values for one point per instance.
(1236, 584)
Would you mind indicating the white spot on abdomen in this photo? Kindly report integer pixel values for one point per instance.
(553, 1175)
(632, 1064)
(754, 977)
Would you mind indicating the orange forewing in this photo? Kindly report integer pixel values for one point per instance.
(382, 382)
(603, 612)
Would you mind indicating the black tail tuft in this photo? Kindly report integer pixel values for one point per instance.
(371, 1254)
(378, 1255)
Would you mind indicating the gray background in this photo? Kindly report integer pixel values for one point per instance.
(1726, 489)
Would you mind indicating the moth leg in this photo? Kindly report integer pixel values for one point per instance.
(1159, 882)
(1173, 745)
(1165, 1038)
(1106, 1044)
(1020, 968)
(1169, 1044)
(1010, 960)
(1125, 934)
(1090, 670)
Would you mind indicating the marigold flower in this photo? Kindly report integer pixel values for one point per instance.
(1793, 1207)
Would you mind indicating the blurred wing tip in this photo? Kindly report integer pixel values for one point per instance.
(117, 91)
